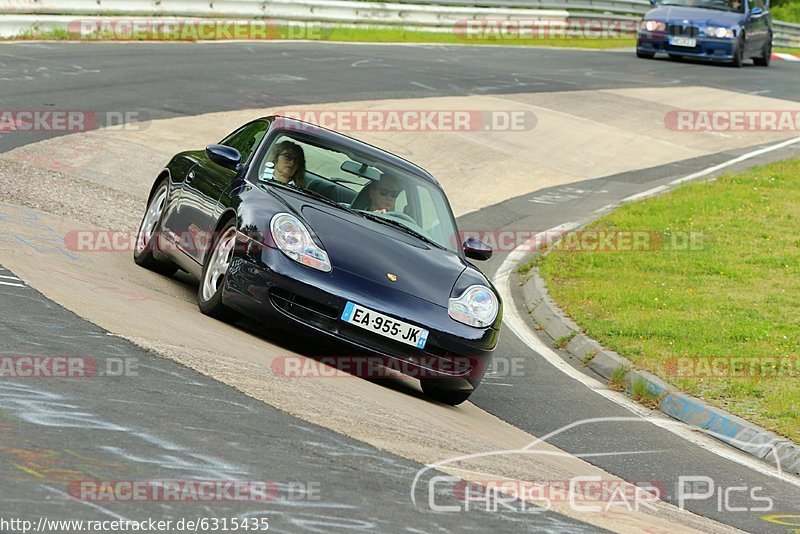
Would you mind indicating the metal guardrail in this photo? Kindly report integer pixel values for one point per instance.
(21, 15)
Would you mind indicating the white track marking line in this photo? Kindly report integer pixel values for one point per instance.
(513, 320)
(10, 278)
(734, 161)
(10, 284)
(645, 194)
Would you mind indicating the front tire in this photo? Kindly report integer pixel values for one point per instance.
(451, 397)
(738, 53)
(766, 54)
(215, 271)
(645, 55)
(147, 236)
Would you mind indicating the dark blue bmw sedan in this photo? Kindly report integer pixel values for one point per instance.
(721, 30)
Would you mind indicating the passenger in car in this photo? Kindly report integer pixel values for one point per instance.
(383, 194)
(288, 164)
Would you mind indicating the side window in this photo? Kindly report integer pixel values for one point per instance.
(247, 138)
(756, 3)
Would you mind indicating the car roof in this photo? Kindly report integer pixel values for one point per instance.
(286, 123)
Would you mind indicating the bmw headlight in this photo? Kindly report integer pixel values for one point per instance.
(294, 240)
(477, 306)
(653, 26)
(719, 32)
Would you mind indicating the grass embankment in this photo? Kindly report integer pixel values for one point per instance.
(379, 35)
(365, 35)
(735, 294)
(787, 12)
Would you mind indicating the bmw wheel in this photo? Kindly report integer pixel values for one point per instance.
(738, 53)
(766, 54)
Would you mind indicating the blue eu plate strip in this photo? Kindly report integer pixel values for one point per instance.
(348, 312)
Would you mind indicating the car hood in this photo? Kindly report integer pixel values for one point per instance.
(695, 15)
(374, 251)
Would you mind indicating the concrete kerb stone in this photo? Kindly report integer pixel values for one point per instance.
(606, 362)
(584, 347)
(728, 428)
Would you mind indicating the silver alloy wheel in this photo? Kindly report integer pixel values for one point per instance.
(150, 220)
(218, 263)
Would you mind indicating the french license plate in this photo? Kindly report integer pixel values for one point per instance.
(683, 41)
(384, 325)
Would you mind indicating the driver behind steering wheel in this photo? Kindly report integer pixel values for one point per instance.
(383, 194)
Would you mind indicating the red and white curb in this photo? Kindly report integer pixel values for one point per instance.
(787, 57)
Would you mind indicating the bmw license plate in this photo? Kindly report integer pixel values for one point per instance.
(683, 41)
(384, 325)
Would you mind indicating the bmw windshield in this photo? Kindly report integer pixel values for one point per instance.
(734, 6)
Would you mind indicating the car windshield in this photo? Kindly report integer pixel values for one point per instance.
(719, 5)
(352, 180)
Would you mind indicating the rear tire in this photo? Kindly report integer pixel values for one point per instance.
(445, 396)
(766, 54)
(215, 271)
(147, 237)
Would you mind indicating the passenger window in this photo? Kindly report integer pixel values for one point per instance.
(247, 138)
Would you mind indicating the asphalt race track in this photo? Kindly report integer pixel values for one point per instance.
(167, 421)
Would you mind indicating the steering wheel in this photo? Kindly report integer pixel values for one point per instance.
(402, 216)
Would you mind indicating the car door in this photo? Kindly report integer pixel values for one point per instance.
(205, 184)
(756, 28)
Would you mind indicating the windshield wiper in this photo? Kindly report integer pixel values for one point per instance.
(310, 193)
(401, 226)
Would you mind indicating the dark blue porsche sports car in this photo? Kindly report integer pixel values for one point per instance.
(286, 221)
(721, 30)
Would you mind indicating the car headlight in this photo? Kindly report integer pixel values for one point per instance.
(653, 26)
(719, 32)
(477, 306)
(294, 240)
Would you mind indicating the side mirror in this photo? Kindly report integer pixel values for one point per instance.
(224, 156)
(756, 11)
(653, 2)
(476, 249)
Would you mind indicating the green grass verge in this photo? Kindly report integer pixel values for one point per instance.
(734, 295)
(379, 35)
(787, 13)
